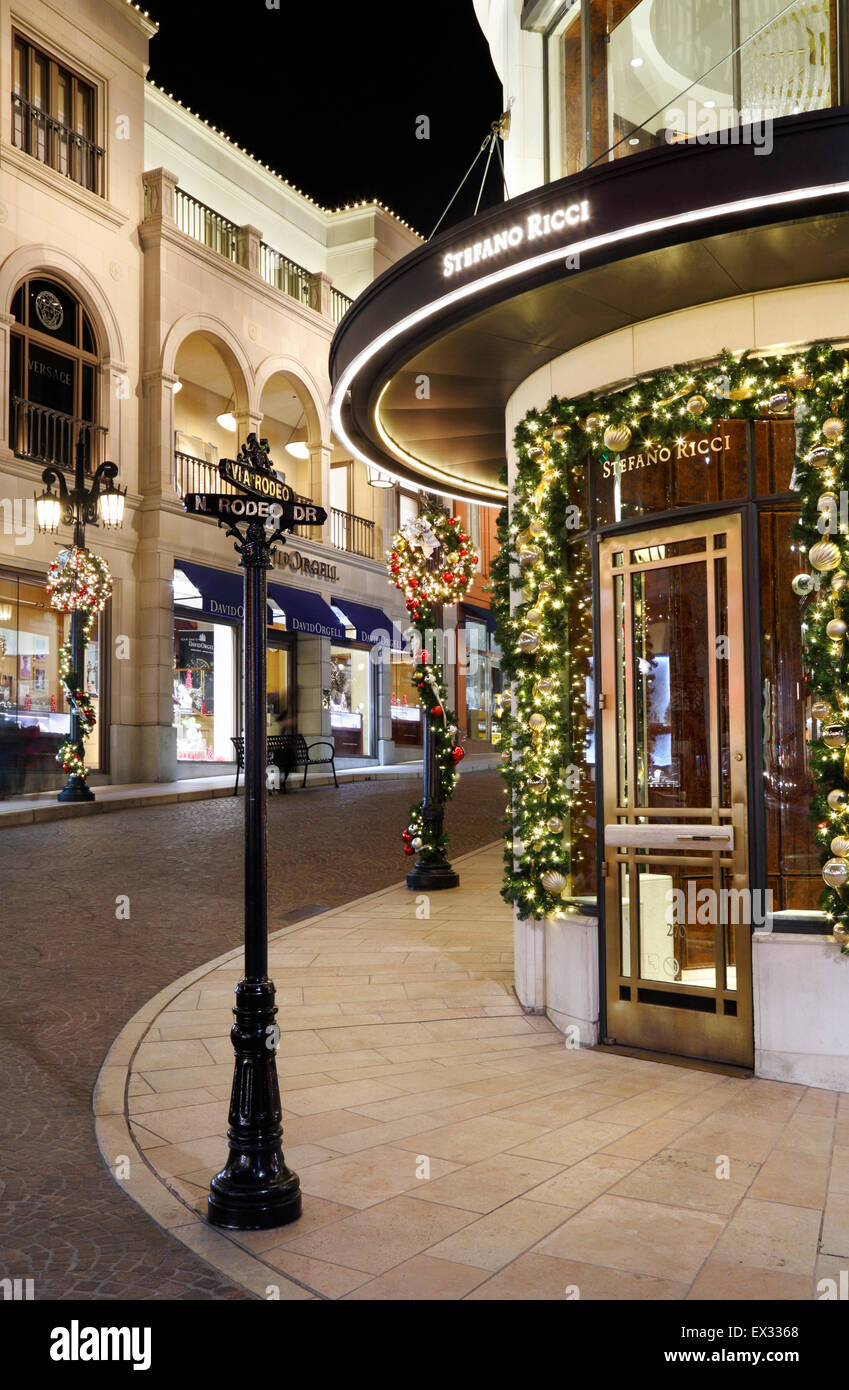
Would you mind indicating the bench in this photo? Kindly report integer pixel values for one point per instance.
(287, 751)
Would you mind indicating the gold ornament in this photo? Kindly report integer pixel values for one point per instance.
(545, 685)
(833, 428)
(506, 755)
(697, 405)
(555, 825)
(537, 722)
(528, 642)
(800, 381)
(617, 438)
(821, 710)
(824, 556)
(839, 580)
(536, 528)
(836, 799)
(546, 586)
(835, 872)
(529, 556)
(553, 881)
(840, 846)
(534, 617)
(538, 782)
(803, 584)
(836, 629)
(740, 393)
(820, 455)
(592, 422)
(834, 736)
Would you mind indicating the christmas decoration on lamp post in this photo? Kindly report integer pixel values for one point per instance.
(541, 588)
(432, 562)
(79, 583)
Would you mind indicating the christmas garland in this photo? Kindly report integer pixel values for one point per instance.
(547, 652)
(79, 581)
(427, 588)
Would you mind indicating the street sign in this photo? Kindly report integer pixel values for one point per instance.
(255, 481)
(281, 515)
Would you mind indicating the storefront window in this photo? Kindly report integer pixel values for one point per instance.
(663, 71)
(580, 754)
(34, 714)
(204, 690)
(406, 706)
(478, 691)
(351, 700)
(279, 702)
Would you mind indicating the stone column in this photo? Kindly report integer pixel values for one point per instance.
(159, 194)
(155, 661)
(320, 285)
(156, 464)
(319, 488)
(6, 321)
(248, 239)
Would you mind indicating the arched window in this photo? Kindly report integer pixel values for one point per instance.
(53, 376)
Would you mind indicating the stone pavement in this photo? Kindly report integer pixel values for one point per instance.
(73, 973)
(451, 1147)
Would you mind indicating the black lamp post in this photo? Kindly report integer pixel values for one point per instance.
(255, 1190)
(79, 507)
(432, 869)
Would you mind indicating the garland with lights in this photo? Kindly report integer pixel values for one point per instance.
(425, 588)
(427, 584)
(77, 581)
(547, 650)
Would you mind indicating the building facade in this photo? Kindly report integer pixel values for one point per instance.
(641, 354)
(165, 295)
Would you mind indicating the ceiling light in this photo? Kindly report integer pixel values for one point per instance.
(636, 62)
(298, 450)
(178, 386)
(634, 140)
(227, 421)
(378, 479)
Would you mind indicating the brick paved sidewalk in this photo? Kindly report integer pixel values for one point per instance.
(74, 973)
(451, 1147)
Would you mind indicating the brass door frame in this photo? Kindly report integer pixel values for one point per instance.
(720, 1034)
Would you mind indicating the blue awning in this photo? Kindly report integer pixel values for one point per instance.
(306, 612)
(372, 624)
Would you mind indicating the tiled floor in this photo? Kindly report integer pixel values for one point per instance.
(451, 1147)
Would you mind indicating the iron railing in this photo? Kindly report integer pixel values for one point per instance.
(352, 533)
(197, 475)
(339, 304)
(277, 270)
(49, 436)
(57, 145)
(205, 225)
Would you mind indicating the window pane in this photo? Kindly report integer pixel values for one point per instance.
(204, 690)
(279, 710)
(406, 706)
(350, 700)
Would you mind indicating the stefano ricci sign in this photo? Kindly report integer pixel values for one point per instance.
(535, 227)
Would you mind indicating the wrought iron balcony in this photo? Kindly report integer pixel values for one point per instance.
(352, 533)
(57, 145)
(48, 436)
(204, 224)
(277, 270)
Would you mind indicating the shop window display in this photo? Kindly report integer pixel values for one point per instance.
(204, 690)
(350, 700)
(34, 714)
(406, 706)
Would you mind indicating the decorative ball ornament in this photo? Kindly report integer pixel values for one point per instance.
(555, 825)
(834, 736)
(836, 629)
(592, 422)
(458, 754)
(538, 782)
(506, 755)
(827, 501)
(821, 710)
(833, 429)
(780, 404)
(743, 392)
(801, 381)
(537, 722)
(77, 579)
(412, 549)
(536, 528)
(534, 616)
(529, 555)
(824, 556)
(697, 405)
(545, 685)
(836, 799)
(839, 580)
(417, 843)
(546, 586)
(839, 846)
(436, 711)
(553, 881)
(803, 584)
(820, 455)
(617, 438)
(528, 642)
(835, 872)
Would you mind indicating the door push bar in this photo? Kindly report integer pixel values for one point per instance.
(713, 837)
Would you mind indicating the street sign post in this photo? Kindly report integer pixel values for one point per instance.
(281, 515)
(254, 1190)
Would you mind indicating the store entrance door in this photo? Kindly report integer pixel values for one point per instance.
(678, 910)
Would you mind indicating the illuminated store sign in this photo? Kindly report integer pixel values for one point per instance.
(536, 226)
(702, 448)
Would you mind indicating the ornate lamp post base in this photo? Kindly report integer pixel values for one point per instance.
(254, 1191)
(429, 878)
(76, 789)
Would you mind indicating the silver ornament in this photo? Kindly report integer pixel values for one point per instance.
(836, 629)
(836, 799)
(803, 584)
(417, 843)
(835, 872)
(834, 736)
(528, 642)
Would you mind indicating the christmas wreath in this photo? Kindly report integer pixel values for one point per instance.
(426, 587)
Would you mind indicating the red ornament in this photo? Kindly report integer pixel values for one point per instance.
(448, 577)
(408, 849)
(436, 711)
(458, 754)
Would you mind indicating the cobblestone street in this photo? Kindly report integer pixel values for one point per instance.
(74, 972)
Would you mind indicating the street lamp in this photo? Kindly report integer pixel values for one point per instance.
(79, 507)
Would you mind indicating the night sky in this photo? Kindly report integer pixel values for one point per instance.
(328, 94)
